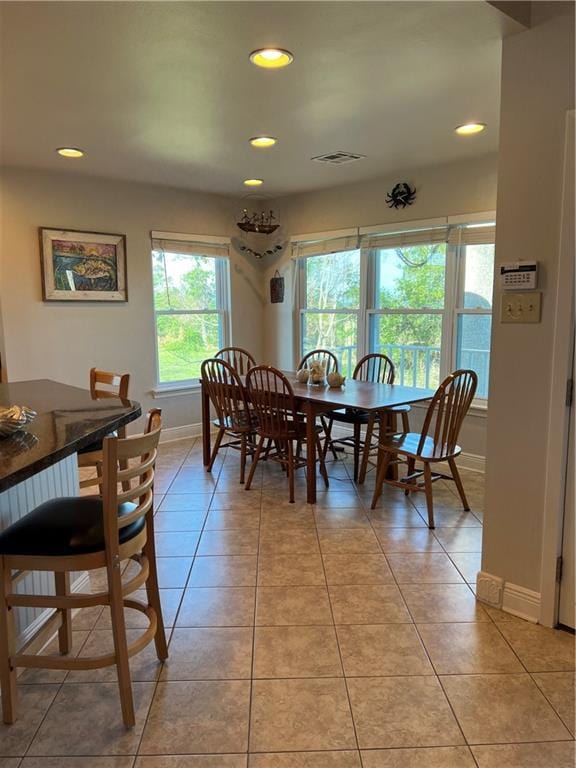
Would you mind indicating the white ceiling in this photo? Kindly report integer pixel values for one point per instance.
(163, 92)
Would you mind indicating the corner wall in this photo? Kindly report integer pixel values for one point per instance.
(537, 90)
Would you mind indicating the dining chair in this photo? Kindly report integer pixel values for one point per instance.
(103, 384)
(67, 535)
(435, 444)
(378, 369)
(331, 364)
(279, 423)
(238, 358)
(234, 416)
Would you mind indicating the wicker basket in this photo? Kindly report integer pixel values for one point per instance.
(277, 288)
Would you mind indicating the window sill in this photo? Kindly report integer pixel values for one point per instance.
(478, 410)
(175, 390)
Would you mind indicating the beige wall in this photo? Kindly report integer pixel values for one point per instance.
(459, 188)
(62, 341)
(537, 90)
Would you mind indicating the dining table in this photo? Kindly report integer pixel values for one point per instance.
(312, 400)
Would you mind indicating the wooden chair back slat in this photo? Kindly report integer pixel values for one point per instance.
(226, 393)
(238, 358)
(108, 384)
(447, 410)
(273, 401)
(324, 356)
(375, 368)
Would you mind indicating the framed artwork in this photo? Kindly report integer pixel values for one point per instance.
(82, 266)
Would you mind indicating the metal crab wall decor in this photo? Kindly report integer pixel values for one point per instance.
(402, 195)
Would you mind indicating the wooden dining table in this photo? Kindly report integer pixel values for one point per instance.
(312, 400)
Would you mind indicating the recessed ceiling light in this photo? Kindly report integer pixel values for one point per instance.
(253, 182)
(70, 152)
(263, 141)
(468, 129)
(271, 58)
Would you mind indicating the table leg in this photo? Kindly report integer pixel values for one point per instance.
(205, 425)
(385, 418)
(310, 453)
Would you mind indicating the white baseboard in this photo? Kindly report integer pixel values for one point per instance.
(82, 583)
(472, 462)
(510, 598)
(180, 433)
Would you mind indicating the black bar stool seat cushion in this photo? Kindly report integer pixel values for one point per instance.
(65, 527)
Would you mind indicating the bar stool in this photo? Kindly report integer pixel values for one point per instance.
(81, 534)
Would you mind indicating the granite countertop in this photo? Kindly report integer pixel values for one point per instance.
(68, 420)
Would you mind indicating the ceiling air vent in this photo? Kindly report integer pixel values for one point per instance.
(338, 158)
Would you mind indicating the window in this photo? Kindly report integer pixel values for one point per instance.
(330, 315)
(423, 297)
(190, 305)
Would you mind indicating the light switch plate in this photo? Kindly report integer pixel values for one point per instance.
(521, 307)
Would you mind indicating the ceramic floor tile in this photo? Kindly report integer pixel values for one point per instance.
(459, 539)
(75, 762)
(343, 759)
(229, 542)
(296, 652)
(442, 602)
(494, 709)
(33, 703)
(559, 688)
(338, 499)
(191, 761)
(85, 719)
(224, 571)
(276, 570)
(230, 519)
(541, 649)
(370, 604)
(33, 676)
(429, 568)
(185, 502)
(468, 563)
(236, 500)
(217, 607)
(445, 517)
(395, 540)
(431, 757)
(288, 541)
(209, 653)
(396, 517)
(341, 518)
(357, 569)
(402, 712)
(201, 717)
(382, 649)
(556, 755)
(276, 606)
(169, 599)
(348, 541)
(179, 521)
(294, 715)
(176, 543)
(173, 571)
(464, 649)
(144, 666)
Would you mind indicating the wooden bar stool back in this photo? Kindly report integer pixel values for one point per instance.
(234, 417)
(436, 443)
(278, 422)
(74, 534)
(238, 358)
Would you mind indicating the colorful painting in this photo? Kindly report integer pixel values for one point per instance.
(83, 266)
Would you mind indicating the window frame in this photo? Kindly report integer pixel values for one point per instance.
(222, 310)
(367, 310)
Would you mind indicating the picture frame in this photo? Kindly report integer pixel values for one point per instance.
(82, 266)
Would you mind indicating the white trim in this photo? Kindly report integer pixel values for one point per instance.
(175, 390)
(188, 238)
(521, 602)
(185, 432)
(333, 234)
(557, 444)
(489, 589)
(404, 226)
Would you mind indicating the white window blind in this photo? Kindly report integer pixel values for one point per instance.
(320, 244)
(473, 234)
(406, 239)
(192, 245)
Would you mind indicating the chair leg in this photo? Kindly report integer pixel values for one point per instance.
(366, 451)
(7, 640)
(380, 477)
(152, 591)
(243, 439)
(429, 494)
(327, 424)
(291, 470)
(405, 422)
(411, 468)
(254, 464)
(356, 451)
(120, 643)
(62, 584)
(459, 485)
(215, 450)
(321, 462)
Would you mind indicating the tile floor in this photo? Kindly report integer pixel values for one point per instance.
(300, 637)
